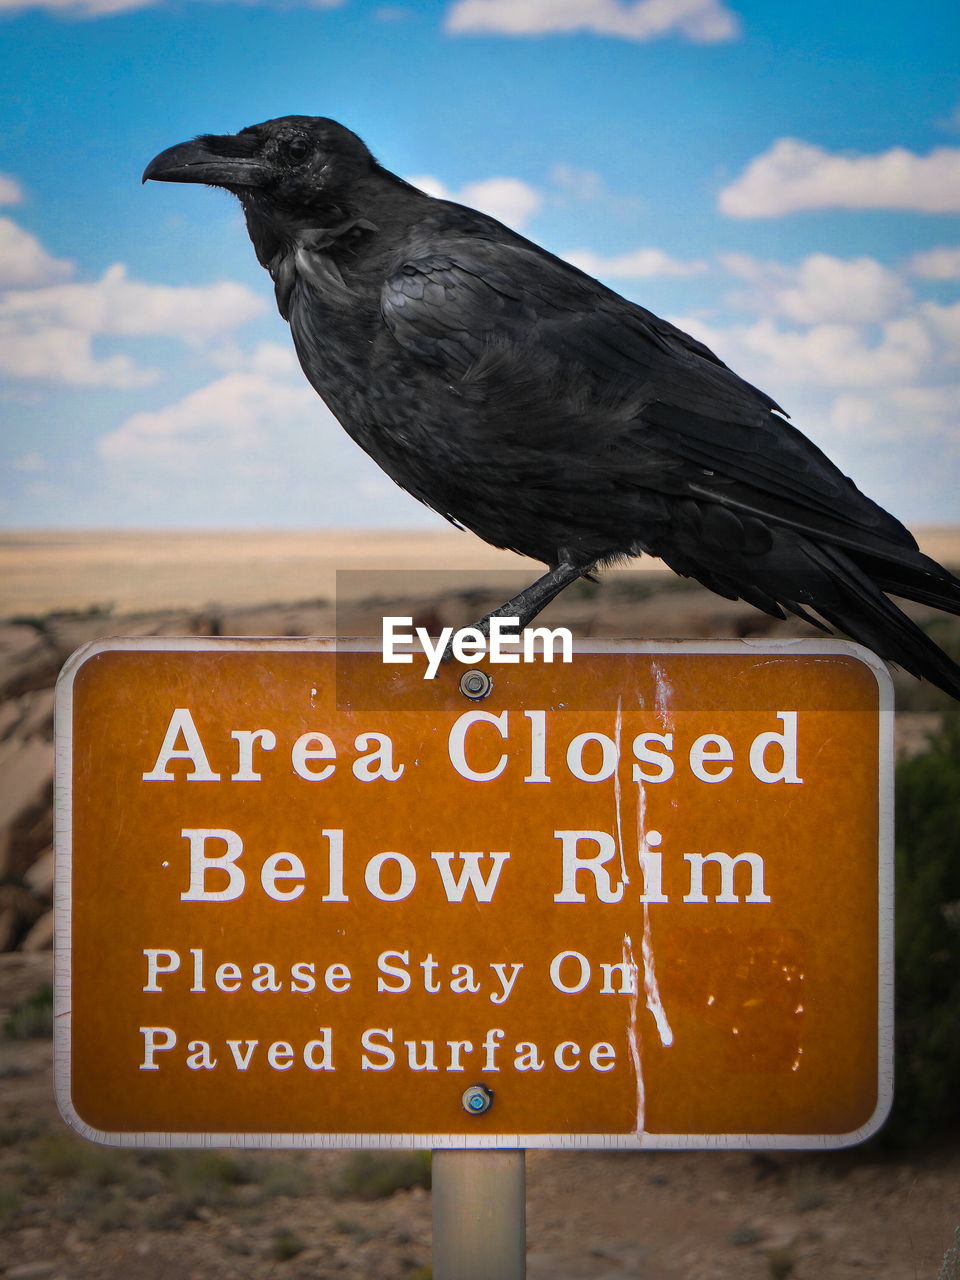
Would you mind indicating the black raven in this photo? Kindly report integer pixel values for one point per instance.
(520, 398)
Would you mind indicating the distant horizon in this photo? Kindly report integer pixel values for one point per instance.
(306, 530)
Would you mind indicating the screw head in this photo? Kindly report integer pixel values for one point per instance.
(477, 1099)
(475, 684)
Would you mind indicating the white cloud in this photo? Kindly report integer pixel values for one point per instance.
(10, 190)
(839, 355)
(910, 422)
(24, 261)
(585, 184)
(29, 463)
(821, 289)
(510, 200)
(117, 305)
(943, 323)
(243, 448)
(106, 8)
(853, 414)
(63, 355)
(917, 404)
(49, 332)
(432, 185)
(703, 21)
(866, 368)
(273, 359)
(75, 8)
(228, 423)
(822, 355)
(936, 264)
(795, 175)
(638, 264)
(571, 185)
(880, 400)
(515, 202)
(848, 323)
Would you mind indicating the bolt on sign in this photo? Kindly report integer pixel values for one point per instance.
(306, 898)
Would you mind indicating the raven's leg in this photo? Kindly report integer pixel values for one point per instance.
(533, 599)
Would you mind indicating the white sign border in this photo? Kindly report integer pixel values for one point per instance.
(63, 917)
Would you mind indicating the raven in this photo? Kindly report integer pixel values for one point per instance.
(522, 399)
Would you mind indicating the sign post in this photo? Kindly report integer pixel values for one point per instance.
(479, 1222)
(639, 899)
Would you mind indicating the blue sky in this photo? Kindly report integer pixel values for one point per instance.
(781, 180)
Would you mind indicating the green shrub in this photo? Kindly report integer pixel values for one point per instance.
(950, 1270)
(373, 1175)
(286, 1245)
(780, 1264)
(31, 1019)
(11, 1203)
(927, 1055)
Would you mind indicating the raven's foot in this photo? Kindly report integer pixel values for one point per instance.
(532, 600)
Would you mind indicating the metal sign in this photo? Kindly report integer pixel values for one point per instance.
(306, 897)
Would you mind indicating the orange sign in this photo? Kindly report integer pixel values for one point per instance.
(309, 898)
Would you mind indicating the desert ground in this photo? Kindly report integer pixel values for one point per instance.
(136, 571)
(72, 1211)
(42, 572)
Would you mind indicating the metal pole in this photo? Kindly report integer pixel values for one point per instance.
(479, 1215)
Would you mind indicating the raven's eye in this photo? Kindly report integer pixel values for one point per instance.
(296, 149)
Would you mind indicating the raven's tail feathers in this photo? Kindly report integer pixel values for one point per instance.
(857, 605)
(921, 579)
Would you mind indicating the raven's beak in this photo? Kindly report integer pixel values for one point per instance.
(200, 161)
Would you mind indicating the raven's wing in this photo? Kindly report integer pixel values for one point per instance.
(651, 423)
(509, 312)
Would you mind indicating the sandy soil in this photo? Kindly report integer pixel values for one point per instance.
(126, 572)
(132, 571)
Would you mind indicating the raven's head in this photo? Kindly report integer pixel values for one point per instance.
(294, 165)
